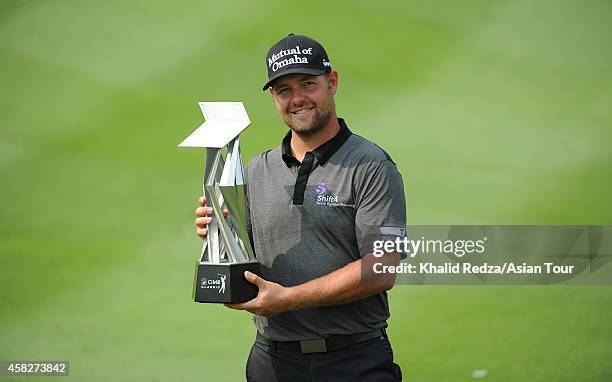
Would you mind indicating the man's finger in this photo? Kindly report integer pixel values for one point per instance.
(225, 212)
(243, 305)
(253, 278)
(203, 201)
(202, 222)
(202, 232)
(204, 211)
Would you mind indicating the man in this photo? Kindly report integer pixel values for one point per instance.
(316, 204)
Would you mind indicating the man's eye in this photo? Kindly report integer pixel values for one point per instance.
(308, 83)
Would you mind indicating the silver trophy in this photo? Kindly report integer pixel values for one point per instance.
(227, 251)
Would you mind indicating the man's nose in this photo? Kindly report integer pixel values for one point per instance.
(298, 97)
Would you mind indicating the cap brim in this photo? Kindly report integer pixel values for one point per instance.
(298, 70)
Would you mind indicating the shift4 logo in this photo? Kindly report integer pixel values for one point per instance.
(321, 188)
(324, 199)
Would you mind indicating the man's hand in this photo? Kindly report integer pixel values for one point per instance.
(204, 217)
(354, 281)
(271, 299)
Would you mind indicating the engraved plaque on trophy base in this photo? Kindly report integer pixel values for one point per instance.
(224, 282)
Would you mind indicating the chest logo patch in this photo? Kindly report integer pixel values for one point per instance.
(321, 188)
(324, 199)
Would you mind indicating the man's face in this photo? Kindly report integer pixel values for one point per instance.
(305, 102)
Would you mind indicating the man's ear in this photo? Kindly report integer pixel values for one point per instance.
(333, 81)
(270, 89)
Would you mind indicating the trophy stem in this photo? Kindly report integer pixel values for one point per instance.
(216, 199)
(210, 248)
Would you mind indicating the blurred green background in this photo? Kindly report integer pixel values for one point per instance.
(496, 112)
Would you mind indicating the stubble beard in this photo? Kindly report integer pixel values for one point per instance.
(321, 117)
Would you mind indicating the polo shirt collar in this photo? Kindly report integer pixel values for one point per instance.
(323, 152)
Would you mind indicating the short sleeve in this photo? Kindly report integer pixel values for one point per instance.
(380, 206)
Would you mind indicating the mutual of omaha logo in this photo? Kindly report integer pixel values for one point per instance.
(218, 283)
(290, 56)
(324, 199)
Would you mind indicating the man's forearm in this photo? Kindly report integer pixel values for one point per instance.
(352, 282)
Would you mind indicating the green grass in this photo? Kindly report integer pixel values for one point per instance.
(497, 112)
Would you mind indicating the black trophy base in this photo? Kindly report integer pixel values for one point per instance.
(224, 283)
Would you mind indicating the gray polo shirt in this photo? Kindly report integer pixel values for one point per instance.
(309, 219)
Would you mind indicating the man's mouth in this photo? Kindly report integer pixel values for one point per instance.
(301, 110)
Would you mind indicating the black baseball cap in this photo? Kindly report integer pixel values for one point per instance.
(296, 54)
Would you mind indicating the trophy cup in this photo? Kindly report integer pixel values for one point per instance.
(227, 251)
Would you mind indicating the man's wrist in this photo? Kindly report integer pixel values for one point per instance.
(291, 299)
